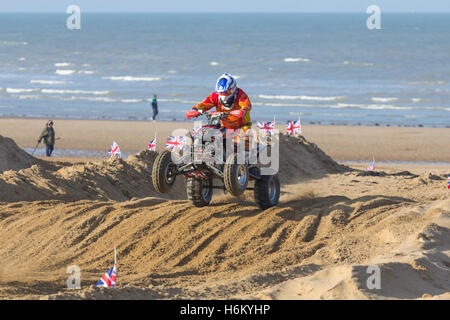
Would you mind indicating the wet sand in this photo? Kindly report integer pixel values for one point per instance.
(343, 143)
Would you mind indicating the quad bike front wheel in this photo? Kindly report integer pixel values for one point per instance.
(235, 175)
(267, 191)
(199, 192)
(163, 172)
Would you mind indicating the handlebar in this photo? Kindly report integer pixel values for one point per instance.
(194, 114)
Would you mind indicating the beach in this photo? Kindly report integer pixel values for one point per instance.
(342, 143)
(334, 222)
(340, 230)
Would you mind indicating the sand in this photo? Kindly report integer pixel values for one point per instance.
(344, 143)
(332, 223)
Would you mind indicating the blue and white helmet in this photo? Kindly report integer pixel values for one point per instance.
(225, 82)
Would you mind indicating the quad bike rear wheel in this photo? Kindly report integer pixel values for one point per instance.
(267, 191)
(163, 172)
(199, 192)
(235, 175)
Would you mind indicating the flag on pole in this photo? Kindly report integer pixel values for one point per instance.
(195, 130)
(267, 127)
(372, 166)
(114, 150)
(175, 142)
(152, 145)
(294, 127)
(109, 279)
(448, 182)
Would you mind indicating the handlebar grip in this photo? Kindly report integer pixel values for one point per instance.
(192, 114)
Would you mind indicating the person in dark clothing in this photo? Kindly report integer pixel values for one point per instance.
(49, 138)
(154, 107)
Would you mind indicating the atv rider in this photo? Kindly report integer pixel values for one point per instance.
(228, 97)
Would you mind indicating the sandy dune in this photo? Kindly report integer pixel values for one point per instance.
(332, 223)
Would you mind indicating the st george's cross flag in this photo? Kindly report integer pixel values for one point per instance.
(267, 127)
(114, 150)
(152, 145)
(294, 127)
(174, 142)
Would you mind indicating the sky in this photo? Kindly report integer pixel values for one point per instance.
(225, 5)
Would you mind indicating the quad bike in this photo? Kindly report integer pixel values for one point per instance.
(200, 174)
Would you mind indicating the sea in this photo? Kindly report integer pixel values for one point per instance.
(323, 68)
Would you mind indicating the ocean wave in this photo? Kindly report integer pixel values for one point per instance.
(65, 72)
(417, 100)
(87, 72)
(350, 106)
(13, 43)
(427, 83)
(22, 59)
(270, 104)
(213, 63)
(97, 99)
(130, 78)
(132, 100)
(358, 64)
(378, 99)
(326, 114)
(296, 60)
(370, 106)
(192, 102)
(75, 91)
(17, 90)
(63, 64)
(281, 97)
(386, 106)
(29, 97)
(172, 71)
(47, 82)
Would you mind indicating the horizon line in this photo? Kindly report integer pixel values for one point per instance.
(228, 12)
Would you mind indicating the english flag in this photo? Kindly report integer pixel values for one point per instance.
(114, 150)
(175, 142)
(294, 127)
(109, 278)
(267, 127)
(152, 145)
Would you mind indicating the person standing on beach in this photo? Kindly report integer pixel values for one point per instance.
(154, 107)
(49, 138)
